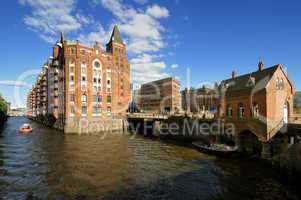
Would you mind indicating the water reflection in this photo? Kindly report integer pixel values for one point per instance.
(50, 165)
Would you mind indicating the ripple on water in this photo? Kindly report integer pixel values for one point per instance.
(50, 165)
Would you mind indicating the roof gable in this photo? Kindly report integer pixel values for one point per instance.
(288, 80)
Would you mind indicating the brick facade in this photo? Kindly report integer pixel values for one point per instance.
(259, 101)
(87, 84)
(160, 96)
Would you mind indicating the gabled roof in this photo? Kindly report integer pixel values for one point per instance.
(241, 84)
(115, 37)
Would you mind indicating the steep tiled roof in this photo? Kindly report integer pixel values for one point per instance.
(246, 82)
(115, 37)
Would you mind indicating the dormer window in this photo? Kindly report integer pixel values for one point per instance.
(251, 82)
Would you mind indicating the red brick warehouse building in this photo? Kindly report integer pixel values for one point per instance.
(259, 104)
(86, 84)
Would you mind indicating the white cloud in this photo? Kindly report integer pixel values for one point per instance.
(141, 28)
(14, 83)
(147, 68)
(48, 17)
(174, 66)
(100, 35)
(143, 33)
(115, 6)
(82, 19)
(157, 11)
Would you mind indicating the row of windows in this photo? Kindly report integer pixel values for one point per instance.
(72, 51)
(95, 88)
(118, 51)
(96, 98)
(96, 109)
(95, 80)
(98, 65)
(95, 72)
(241, 110)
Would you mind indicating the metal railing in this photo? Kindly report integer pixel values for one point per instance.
(148, 115)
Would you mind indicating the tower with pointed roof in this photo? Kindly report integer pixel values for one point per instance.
(115, 39)
(117, 49)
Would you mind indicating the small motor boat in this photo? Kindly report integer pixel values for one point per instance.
(216, 149)
(25, 129)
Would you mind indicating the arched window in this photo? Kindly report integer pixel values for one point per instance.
(255, 110)
(97, 64)
(241, 110)
(229, 110)
(84, 98)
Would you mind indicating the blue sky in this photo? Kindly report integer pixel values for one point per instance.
(164, 38)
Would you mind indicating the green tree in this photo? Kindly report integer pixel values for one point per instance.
(3, 110)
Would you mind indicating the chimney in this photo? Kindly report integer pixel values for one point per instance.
(233, 74)
(96, 44)
(260, 65)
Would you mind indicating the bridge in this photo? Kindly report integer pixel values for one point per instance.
(160, 117)
(148, 123)
(147, 116)
(263, 130)
(259, 133)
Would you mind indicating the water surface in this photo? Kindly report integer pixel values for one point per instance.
(50, 165)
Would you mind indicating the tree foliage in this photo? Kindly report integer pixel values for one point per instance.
(3, 110)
